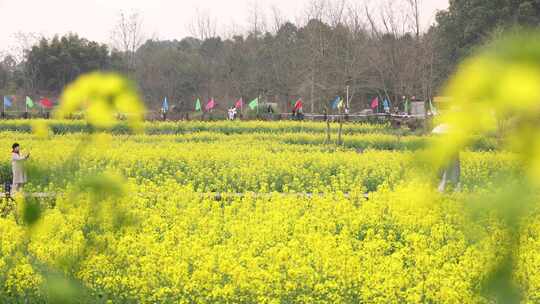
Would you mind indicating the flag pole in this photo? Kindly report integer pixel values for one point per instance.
(258, 101)
(347, 97)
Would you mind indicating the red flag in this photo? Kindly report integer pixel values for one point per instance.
(210, 105)
(375, 103)
(239, 103)
(298, 105)
(46, 103)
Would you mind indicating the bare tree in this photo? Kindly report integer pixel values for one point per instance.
(427, 61)
(277, 17)
(336, 12)
(256, 19)
(335, 47)
(128, 36)
(17, 52)
(24, 42)
(415, 12)
(230, 30)
(203, 26)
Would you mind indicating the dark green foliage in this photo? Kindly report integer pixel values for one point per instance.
(31, 211)
(54, 63)
(468, 24)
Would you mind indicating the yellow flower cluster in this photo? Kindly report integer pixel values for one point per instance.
(166, 241)
(224, 127)
(20, 281)
(211, 162)
(182, 248)
(101, 96)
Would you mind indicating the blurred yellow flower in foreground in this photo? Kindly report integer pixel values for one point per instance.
(102, 96)
(498, 87)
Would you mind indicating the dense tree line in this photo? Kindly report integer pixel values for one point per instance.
(51, 64)
(382, 53)
(468, 24)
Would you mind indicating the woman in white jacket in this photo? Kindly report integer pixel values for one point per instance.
(17, 165)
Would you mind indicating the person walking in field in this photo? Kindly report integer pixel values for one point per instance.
(17, 165)
(451, 174)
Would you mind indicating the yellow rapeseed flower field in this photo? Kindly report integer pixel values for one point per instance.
(291, 224)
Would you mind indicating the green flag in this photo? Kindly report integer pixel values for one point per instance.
(407, 105)
(198, 105)
(254, 103)
(29, 102)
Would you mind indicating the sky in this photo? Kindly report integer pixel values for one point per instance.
(162, 19)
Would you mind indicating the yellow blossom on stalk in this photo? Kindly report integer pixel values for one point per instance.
(497, 92)
(102, 96)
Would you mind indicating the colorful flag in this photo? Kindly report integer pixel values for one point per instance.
(298, 105)
(386, 105)
(198, 106)
(46, 103)
(239, 104)
(8, 102)
(407, 105)
(165, 106)
(29, 102)
(254, 103)
(375, 103)
(340, 103)
(335, 103)
(211, 104)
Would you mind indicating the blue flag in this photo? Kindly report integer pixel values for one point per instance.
(336, 102)
(386, 104)
(7, 102)
(165, 106)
